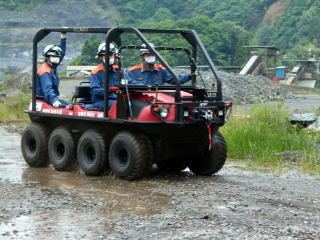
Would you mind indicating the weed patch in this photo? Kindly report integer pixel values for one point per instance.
(265, 136)
(12, 110)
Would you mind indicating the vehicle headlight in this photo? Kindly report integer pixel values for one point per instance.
(163, 112)
(160, 111)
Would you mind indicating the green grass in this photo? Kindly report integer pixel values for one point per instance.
(307, 92)
(12, 110)
(263, 133)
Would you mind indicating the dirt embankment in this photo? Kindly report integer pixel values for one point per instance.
(273, 11)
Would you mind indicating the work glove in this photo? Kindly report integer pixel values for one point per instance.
(56, 104)
(63, 35)
(124, 81)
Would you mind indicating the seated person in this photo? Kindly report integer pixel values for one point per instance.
(98, 75)
(149, 73)
(47, 75)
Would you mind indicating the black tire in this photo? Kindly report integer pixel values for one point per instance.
(34, 145)
(149, 153)
(213, 160)
(165, 163)
(130, 155)
(62, 151)
(91, 153)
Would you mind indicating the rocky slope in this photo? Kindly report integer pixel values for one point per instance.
(17, 28)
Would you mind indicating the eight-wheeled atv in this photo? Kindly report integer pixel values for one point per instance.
(173, 127)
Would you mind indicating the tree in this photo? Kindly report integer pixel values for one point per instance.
(88, 52)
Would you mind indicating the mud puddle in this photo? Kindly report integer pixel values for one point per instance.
(36, 202)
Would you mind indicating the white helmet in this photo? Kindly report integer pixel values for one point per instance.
(102, 49)
(145, 50)
(52, 50)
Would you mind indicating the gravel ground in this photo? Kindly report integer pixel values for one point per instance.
(236, 203)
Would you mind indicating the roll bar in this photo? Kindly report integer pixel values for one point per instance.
(114, 35)
(41, 34)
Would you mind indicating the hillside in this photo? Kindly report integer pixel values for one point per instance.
(224, 26)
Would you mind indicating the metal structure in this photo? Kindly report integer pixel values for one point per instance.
(259, 62)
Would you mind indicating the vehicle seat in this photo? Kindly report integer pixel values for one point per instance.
(82, 92)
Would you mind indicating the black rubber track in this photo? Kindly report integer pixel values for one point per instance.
(130, 155)
(213, 160)
(34, 145)
(91, 153)
(62, 149)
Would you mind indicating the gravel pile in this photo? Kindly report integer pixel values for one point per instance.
(244, 89)
(21, 81)
(249, 88)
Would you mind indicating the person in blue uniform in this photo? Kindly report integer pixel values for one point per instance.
(149, 73)
(47, 75)
(98, 75)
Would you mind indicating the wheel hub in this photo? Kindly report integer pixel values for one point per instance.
(91, 154)
(60, 150)
(32, 145)
(123, 156)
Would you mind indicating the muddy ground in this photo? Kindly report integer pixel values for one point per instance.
(237, 203)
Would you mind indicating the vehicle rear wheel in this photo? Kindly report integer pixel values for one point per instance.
(213, 160)
(62, 151)
(91, 153)
(130, 155)
(34, 145)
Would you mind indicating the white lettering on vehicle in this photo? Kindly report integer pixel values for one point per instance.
(85, 114)
(52, 111)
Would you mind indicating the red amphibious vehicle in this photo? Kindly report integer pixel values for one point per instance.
(168, 126)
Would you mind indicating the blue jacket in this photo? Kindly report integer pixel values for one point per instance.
(48, 79)
(97, 82)
(158, 75)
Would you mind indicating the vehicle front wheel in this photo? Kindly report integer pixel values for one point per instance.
(91, 153)
(213, 160)
(130, 155)
(34, 145)
(62, 151)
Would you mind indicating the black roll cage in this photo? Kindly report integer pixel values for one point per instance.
(114, 35)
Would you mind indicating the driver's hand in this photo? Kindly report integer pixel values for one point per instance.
(63, 36)
(56, 104)
(124, 81)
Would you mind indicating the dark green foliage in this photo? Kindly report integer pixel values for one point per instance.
(88, 52)
(298, 26)
(223, 41)
(295, 29)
